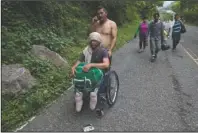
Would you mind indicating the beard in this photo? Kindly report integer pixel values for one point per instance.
(93, 47)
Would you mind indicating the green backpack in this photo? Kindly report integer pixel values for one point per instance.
(87, 80)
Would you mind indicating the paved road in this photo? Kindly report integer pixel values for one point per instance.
(160, 96)
(190, 41)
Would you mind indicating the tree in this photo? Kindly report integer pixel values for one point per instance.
(187, 9)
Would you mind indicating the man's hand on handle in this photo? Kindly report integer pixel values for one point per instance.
(110, 53)
(87, 67)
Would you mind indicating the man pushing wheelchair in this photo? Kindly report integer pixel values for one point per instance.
(91, 65)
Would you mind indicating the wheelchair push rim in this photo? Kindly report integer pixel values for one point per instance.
(112, 79)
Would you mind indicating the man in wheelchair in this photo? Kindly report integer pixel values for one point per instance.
(96, 56)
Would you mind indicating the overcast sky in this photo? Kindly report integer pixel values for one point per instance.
(166, 3)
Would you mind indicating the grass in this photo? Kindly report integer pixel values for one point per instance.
(53, 82)
(126, 33)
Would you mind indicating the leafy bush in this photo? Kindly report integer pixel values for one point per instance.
(191, 17)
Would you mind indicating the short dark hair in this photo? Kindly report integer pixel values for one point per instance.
(156, 14)
(101, 7)
(144, 17)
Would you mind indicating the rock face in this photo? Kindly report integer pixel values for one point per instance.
(44, 53)
(16, 79)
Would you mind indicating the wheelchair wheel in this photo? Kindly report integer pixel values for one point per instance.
(112, 88)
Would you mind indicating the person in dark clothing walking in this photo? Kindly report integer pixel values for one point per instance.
(176, 31)
(156, 32)
(143, 30)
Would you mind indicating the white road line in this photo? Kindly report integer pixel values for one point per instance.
(32, 118)
(189, 55)
(192, 53)
(18, 129)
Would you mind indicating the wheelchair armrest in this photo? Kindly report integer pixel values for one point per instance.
(82, 81)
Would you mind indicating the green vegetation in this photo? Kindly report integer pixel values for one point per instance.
(166, 16)
(62, 27)
(187, 9)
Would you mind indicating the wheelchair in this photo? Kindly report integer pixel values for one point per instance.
(104, 89)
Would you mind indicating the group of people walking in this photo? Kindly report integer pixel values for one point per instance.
(157, 33)
(102, 39)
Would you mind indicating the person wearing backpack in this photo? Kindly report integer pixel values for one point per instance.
(156, 33)
(177, 29)
(143, 34)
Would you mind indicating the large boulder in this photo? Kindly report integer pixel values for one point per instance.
(44, 53)
(16, 79)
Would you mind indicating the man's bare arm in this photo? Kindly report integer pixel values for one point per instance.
(103, 65)
(114, 35)
(76, 64)
(94, 23)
